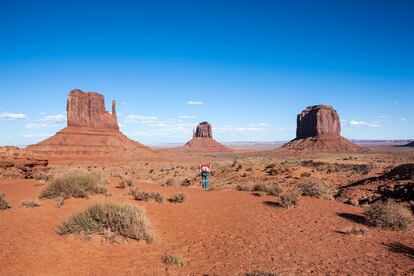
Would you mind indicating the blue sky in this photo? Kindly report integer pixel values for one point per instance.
(254, 65)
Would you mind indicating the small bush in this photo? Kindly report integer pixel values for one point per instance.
(260, 273)
(259, 188)
(388, 215)
(312, 188)
(125, 182)
(274, 190)
(178, 198)
(75, 184)
(3, 203)
(147, 196)
(240, 188)
(357, 231)
(31, 203)
(290, 199)
(186, 182)
(123, 220)
(169, 182)
(172, 260)
(42, 176)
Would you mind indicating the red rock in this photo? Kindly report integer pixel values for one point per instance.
(203, 130)
(92, 132)
(319, 129)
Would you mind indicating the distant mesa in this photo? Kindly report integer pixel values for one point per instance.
(91, 132)
(411, 144)
(319, 129)
(203, 141)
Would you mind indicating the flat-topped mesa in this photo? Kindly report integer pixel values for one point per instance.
(317, 121)
(87, 109)
(203, 130)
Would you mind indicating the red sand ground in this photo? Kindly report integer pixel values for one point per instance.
(216, 233)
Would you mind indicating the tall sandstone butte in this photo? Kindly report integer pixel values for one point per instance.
(319, 129)
(88, 110)
(203, 141)
(91, 132)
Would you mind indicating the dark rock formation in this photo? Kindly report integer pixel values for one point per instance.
(87, 109)
(316, 121)
(92, 132)
(319, 129)
(411, 144)
(203, 141)
(16, 162)
(203, 130)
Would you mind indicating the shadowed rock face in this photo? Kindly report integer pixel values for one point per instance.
(318, 120)
(203, 130)
(87, 109)
(411, 144)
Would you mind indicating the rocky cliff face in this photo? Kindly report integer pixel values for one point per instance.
(318, 120)
(18, 163)
(319, 129)
(87, 109)
(203, 130)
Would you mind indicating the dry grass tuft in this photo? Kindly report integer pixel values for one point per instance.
(178, 198)
(290, 198)
(388, 215)
(310, 187)
(260, 273)
(172, 260)
(146, 196)
(123, 220)
(125, 183)
(31, 203)
(356, 231)
(75, 184)
(3, 203)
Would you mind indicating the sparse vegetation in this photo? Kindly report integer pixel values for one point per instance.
(3, 203)
(123, 220)
(186, 182)
(169, 182)
(260, 273)
(125, 183)
(388, 215)
(240, 187)
(310, 187)
(31, 203)
(172, 260)
(178, 198)
(75, 184)
(259, 188)
(146, 196)
(42, 176)
(356, 231)
(274, 190)
(290, 198)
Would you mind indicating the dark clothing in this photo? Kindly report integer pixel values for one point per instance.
(204, 175)
(204, 180)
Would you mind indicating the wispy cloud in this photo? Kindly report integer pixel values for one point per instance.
(184, 117)
(6, 116)
(141, 119)
(403, 120)
(364, 124)
(48, 121)
(195, 103)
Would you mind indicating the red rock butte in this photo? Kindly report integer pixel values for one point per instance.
(91, 132)
(203, 141)
(319, 129)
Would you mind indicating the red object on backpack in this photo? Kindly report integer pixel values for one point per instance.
(205, 168)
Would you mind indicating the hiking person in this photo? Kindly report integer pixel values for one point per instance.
(205, 172)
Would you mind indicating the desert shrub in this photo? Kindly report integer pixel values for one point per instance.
(3, 203)
(75, 184)
(388, 215)
(305, 174)
(42, 176)
(274, 190)
(169, 182)
(260, 273)
(259, 188)
(356, 230)
(172, 260)
(125, 182)
(146, 196)
(310, 187)
(186, 182)
(123, 220)
(290, 198)
(178, 198)
(31, 203)
(240, 187)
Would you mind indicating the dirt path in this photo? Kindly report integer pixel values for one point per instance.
(215, 233)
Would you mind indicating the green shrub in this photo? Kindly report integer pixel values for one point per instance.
(146, 196)
(123, 220)
(3, 203)
(75, 184)
(178, 198)
(172, 260)
(310, 187)
(388, 215)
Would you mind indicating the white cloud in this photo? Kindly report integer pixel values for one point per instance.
(141, 119)
(195, 103)
(364, 124)
(186, 117)
(6, 116)
(54, 119)
(36, 135)
(403, 120)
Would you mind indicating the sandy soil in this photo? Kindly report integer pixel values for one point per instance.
(219, 232)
